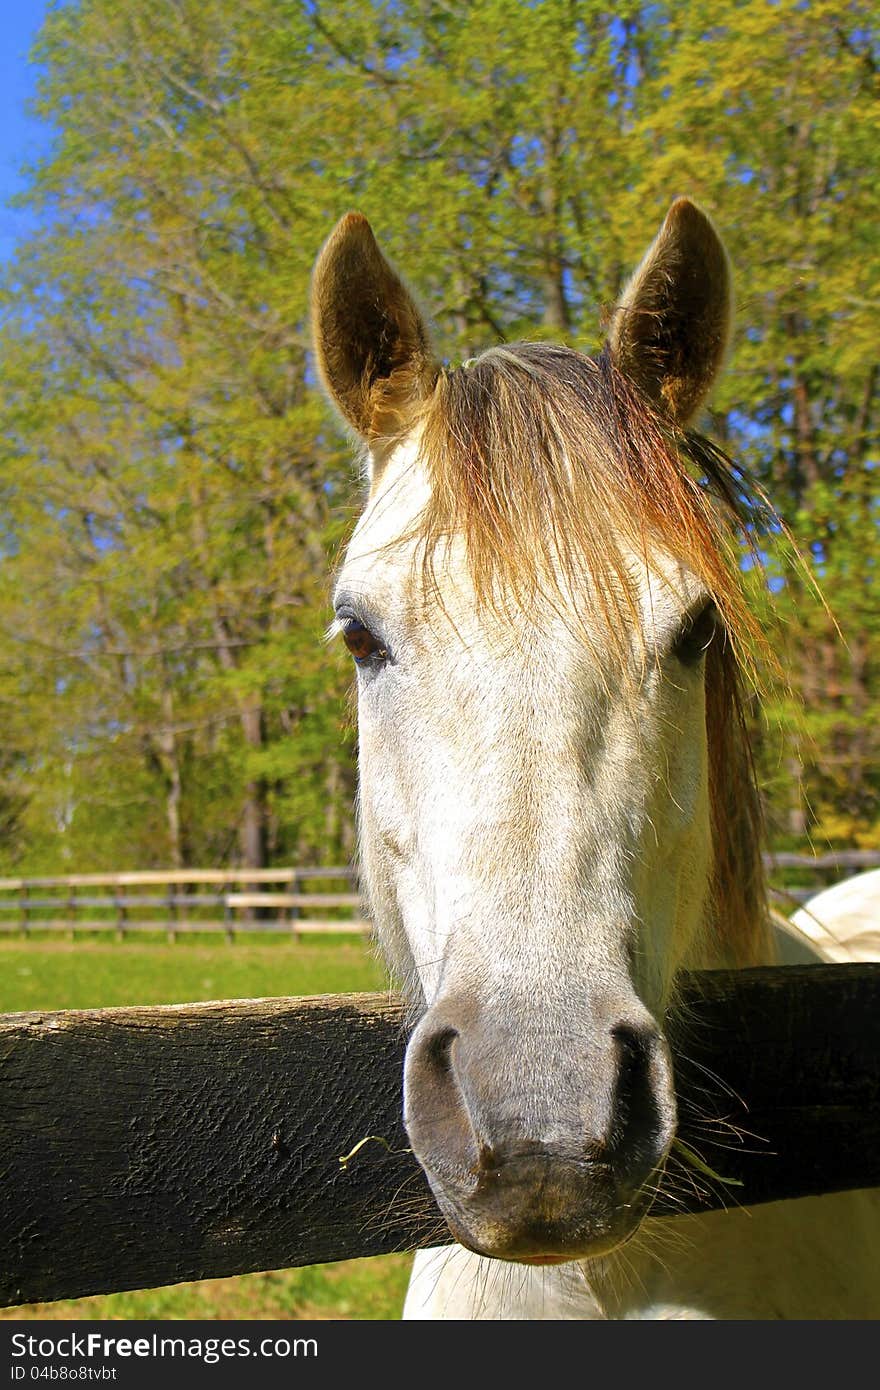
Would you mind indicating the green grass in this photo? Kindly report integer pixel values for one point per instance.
(96, 974)
(50, 974)
(363, 1290)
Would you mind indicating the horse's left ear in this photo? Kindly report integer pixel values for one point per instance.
(671, 328)
(371, 343)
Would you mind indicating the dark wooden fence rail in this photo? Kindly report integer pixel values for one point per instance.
(295, 901)
(141, 1147)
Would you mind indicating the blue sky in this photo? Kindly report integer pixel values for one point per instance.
(22, 139)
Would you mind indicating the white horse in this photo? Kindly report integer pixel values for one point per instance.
(557, 810)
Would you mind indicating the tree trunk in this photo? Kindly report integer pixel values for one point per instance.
(252, 837)
(797, 817)
(173, 782)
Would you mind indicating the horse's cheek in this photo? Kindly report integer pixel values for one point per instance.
(671, 869)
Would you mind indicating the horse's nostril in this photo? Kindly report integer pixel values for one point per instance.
(633, 1048)
(438, 1049)
(436, 1111)
(639, 1119)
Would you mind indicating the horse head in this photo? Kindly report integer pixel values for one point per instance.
(543, 618)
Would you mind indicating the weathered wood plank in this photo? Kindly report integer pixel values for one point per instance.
(147, 1146)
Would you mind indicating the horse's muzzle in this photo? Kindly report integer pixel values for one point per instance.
(540, 1151)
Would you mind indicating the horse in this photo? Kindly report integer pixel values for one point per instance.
(557, 807)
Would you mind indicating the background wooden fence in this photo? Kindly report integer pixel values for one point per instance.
(295, 901)
(146, 1146)
(794, 878)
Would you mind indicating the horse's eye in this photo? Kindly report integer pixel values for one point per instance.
(695, 634)
(364, 646)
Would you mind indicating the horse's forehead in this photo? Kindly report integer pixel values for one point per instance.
(379, 564)
(397, 497)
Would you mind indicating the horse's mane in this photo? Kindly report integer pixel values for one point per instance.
(552, 466)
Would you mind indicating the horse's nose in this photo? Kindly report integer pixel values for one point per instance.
(555, 1138)
(609, 1102)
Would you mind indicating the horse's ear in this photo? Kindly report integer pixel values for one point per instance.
(372, 347)
(671, 328)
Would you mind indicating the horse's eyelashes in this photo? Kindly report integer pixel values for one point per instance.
(364, 645)
(696, 632)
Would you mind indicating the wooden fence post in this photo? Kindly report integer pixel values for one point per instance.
(71, 909)
(294, 910)
(120, 912)
(173, 891)
(228, 916)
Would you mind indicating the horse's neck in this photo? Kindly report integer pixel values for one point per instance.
(737, 931)
(753, 943)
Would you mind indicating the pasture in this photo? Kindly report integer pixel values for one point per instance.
(42, 974)
(89, 974)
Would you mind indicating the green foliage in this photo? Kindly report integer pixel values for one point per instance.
(175, 492)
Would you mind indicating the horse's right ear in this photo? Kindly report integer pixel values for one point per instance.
(371, 343)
